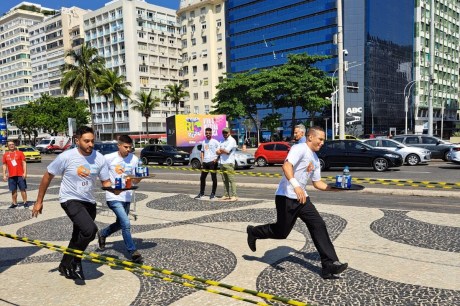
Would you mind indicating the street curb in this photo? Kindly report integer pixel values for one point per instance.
(385, 191)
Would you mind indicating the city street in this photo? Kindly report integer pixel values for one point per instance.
(392, 241)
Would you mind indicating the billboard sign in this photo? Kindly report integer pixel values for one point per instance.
(3, 131)
(188, 130)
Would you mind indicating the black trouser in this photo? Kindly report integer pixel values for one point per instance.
(84, 231)
(204, 174)
(287, 212)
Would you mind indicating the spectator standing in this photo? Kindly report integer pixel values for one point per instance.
(15, 162)
(292, 202)
(226, 152)
(119, 163)
(209, 158)
(79, 168)
(299, 133)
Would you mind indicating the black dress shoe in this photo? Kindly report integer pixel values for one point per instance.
(251, 238)
(67, 271)
(334, 268)
(337, 267)
(78, 270)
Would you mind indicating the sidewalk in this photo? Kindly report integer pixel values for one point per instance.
(395, 257)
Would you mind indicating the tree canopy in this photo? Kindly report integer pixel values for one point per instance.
(297, 83)
(49, 114)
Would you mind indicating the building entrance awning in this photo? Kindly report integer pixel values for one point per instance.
(149, 136)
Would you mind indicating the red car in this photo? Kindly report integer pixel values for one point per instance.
(270, 153)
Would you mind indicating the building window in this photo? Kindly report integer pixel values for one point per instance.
(219, 23)
(196, 109)
(352, 87)
(204, 39)
(221, 79)
(219, 37)
(195, 96)
(203, 25)
(205, 81)
(218, 8)
(192, 28)
(220, 65)
(205, 67)
(206, 94)
(193, 41)
(194, 69)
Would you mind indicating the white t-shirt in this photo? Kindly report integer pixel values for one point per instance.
(209, 148)
(79, 174)
(228, 145)
(306, 166)
(117, 166)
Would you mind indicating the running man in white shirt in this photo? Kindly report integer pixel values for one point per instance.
(121, 162)
(79, 168)
(292, 202)
(209, 159)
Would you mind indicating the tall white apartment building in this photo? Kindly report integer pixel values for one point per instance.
(15, 62)
(445, 82)
(142, 42)
(49, 40)
(203, 51)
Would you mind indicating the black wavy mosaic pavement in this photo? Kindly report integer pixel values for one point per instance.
(200, 259)
(296, 275)
(12, 216)
(183, 202)
(396, 226)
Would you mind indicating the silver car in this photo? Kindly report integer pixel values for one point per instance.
(454, 155)
(411, 155)
(243, 159)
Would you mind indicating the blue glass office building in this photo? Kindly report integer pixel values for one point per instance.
(378, 36)
(260, 34)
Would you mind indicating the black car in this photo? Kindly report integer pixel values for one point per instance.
(106, 147)
(164, 154)
(354, 153)
(439, 148)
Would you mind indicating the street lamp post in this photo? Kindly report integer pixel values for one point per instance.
(406, 102)
(326, 119)
(341, 96)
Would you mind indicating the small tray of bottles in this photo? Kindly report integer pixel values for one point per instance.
(119, 189)
(349, 187)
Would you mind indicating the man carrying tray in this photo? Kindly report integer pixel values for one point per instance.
(292, 202)
(119, 163)
(79, 168)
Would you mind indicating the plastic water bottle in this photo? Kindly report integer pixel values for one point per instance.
(140, 169)
(346, 179)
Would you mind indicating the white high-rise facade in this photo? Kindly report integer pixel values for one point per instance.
(203, 51)
(142, 42)
(445, 82)
(15, 62)
(49, 40)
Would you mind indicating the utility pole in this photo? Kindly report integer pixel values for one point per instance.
(431, 82)
(341, 97)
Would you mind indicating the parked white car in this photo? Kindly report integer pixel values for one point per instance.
(454, 155)
(244, 160)
(411, 155)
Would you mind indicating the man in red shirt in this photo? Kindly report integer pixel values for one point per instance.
(15, 161)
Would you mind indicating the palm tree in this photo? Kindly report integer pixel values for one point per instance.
(110, 84)
(145, 104)
(175, 93)
(82, 72)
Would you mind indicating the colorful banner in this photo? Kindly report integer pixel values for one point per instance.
(3, 131)
(188, 130)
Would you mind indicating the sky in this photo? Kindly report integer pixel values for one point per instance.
(6, 5)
